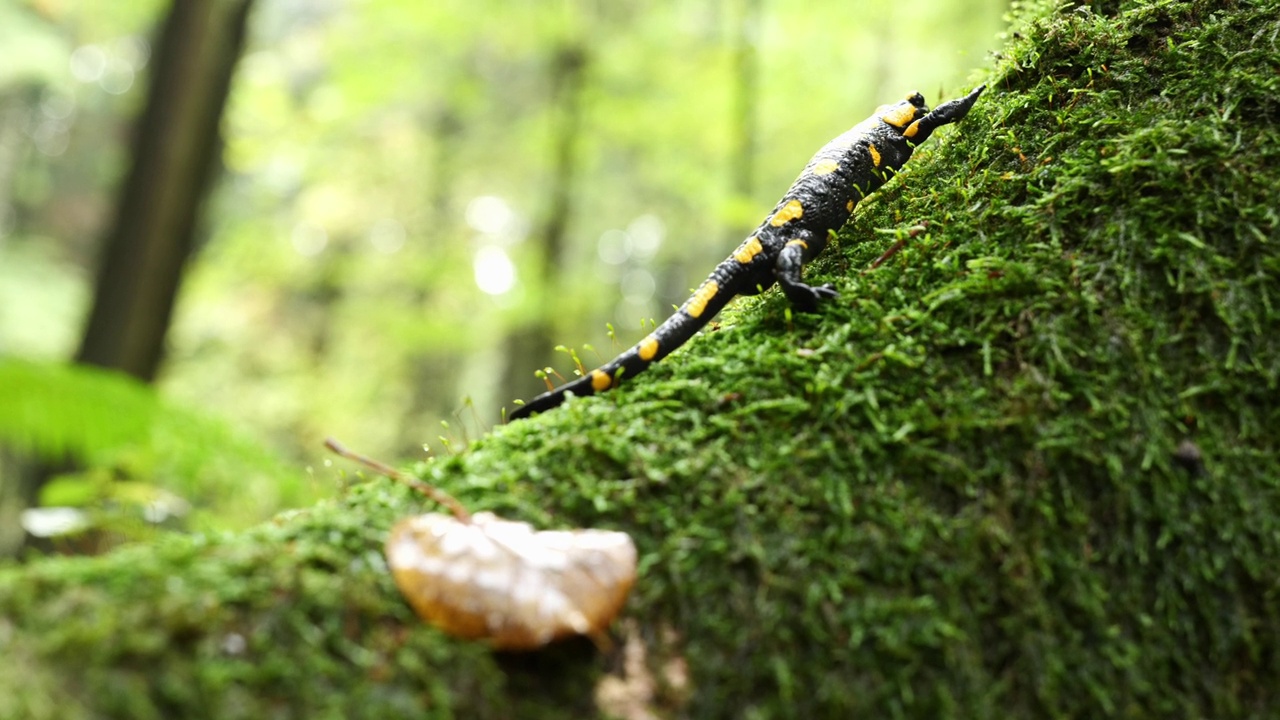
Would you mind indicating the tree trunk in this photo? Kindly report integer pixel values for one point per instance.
(433, 370)
(530, 346)
(746, 74)
(174, 154)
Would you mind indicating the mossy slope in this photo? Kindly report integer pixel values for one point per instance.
(958, 492)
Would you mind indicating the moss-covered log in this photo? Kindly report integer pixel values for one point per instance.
(1026, 467)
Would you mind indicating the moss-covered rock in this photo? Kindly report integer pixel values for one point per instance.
(1026, 467)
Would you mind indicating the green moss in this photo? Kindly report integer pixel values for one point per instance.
(955, 493)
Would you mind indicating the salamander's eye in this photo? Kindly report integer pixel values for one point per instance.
(903, 112)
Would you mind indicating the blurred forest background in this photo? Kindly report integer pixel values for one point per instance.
(398, 213)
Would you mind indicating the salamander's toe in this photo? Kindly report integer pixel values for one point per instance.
(806, 298)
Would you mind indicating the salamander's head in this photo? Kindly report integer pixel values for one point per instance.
(912, 118)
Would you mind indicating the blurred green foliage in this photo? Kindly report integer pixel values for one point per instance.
(386, 163)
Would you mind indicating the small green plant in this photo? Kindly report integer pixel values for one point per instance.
(136, 457)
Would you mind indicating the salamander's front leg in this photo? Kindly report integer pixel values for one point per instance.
(797, 252)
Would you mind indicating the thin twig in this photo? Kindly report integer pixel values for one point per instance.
(893, 250)
(430, 491)
(897, 246)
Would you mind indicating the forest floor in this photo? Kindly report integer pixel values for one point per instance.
(1025, 467)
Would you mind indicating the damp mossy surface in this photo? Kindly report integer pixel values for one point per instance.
(1025, 467)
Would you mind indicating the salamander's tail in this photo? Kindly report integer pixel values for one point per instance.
(696, 312)
(597, 380)
(550, 399)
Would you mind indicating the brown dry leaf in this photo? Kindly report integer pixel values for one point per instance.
(501, 581)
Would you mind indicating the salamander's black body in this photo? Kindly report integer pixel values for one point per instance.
(843, 172)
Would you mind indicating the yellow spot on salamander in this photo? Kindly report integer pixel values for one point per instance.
(791, 211)
(804, 245)
(825, 167)
(647, 348)
(698, 303)
(911, 131)
(899, 115)
(849, 207)
(600, 380)
(748, 250)
(875, 154)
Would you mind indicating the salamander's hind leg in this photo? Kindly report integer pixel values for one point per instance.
(787, 268)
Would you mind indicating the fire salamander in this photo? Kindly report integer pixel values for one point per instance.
(843, 172)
